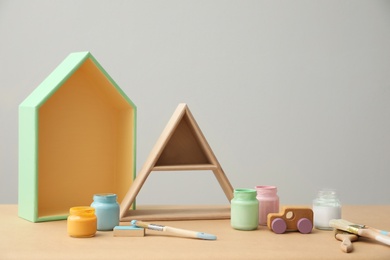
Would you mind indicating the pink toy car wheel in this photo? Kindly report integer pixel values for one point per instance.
(305, 226)
(279, 226)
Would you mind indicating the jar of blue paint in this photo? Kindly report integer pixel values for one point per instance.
(106, 211)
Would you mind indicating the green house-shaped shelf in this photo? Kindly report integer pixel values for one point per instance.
(77, 137)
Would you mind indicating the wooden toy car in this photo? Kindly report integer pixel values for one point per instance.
(291, 219)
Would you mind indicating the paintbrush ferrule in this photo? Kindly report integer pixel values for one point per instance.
(156, 227)
(353, 229)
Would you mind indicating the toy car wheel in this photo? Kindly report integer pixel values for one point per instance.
(305, 226)
(279, 226)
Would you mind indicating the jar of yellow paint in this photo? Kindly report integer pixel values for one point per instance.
(82, 222)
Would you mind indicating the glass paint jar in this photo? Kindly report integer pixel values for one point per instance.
(106, 210)
(244, 210)
(268, 202)
(326, 207)
(81, 222)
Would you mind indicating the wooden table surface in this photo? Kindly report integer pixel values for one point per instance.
(20, 239)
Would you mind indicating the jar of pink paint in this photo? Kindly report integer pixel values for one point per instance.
(268, 202)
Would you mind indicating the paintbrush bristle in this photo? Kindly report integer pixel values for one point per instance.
(139, 224)
(343, 224)
(340, 223)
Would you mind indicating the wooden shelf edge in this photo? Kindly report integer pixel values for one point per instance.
(190, 167)
(174, 213)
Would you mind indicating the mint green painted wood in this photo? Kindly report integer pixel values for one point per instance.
(28, 133)
(28, 163)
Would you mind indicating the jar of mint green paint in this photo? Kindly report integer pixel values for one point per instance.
(244, 210)
(106, 211)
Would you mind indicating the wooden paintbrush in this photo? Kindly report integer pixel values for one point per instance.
(360, 230)
(177, 231)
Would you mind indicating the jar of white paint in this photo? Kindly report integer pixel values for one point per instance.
(326, 207)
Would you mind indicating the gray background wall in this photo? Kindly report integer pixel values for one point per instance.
(288, 93)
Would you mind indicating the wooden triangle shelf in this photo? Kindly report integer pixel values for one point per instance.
(181, 147)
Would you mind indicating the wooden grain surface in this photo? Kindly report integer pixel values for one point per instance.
(20, 239)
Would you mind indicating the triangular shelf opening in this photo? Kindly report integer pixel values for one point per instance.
(181, 147)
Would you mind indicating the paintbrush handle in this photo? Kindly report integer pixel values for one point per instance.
(189, 233)
(177, 231)
(374, 235)
(383, 232)
(346, 238)
(180, 232)
(346, 245)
